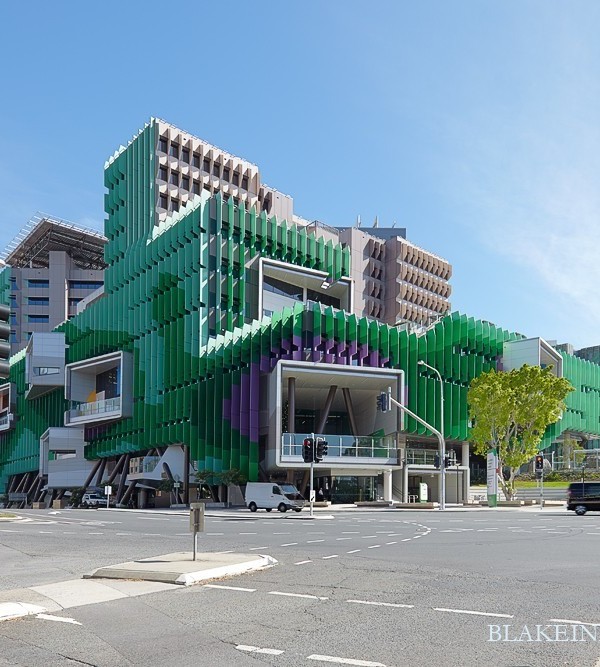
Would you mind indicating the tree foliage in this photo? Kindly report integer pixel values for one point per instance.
(511, 411)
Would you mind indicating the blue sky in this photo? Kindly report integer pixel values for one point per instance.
(475, 125)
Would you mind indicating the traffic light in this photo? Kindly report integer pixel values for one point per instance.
(539, 462)
(308, 450)
(446, 461)
(4, 340)
(321, 450)
(436, 460)
(382, 402)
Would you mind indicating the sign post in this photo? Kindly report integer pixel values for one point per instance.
(107, 492)
(492, 478)
(196, 522)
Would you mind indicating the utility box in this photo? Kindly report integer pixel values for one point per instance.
(423, 492)
(197, 517)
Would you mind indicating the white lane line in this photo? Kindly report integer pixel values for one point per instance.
(6, 530)
(257, 548)
(247, 533)
(388, 543)
(49, 617)
(374, 546)
(152, 518)
(281, 533)
(70, 532)
(215, 533)
(383, 604)
(473, 613)
(485, 530)
(562, 620)
(303, 562)
(344, 661)
(394, 534)
(328, 557)
(224, 552)
(95, 533)
(151, 534)
(230, 588)
(297, 595)
(354, 551)
(14, 531)
(45, 532)
(407, 539)
(339, 539)
(123, 534)
(256, 649)
(289, 544)
(369, 537)
(313, 541)
(350, 532)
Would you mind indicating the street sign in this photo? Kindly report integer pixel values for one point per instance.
(313, 495)
(492, 478)
(107, 490)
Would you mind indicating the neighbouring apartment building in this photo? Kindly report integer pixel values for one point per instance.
(54, 266)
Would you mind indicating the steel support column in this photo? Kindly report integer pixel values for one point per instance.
(326, 408)
(350, 409)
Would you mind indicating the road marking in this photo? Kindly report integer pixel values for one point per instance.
(354, 551)
(14, 531)
(350, 532)
(215, 534)
(95, 533)
(45, 532)
(485, 530)
(281, 533)
(256, 649)
(344, 661)
(297, 595)
(374, 546)
(230, 588)
(369, 537)
(474, 613)
(289, 544)
(394, 534)
(49, 617)
(151, 534)
(313, 541)
(257, 548)
(328, 557)
(339, 539)
(303, 562)
(562, 620)
(247, 533)
(6, 530)
(407, 539)
(130, 534)
(388, 543)
(224, 552)
(383, 604)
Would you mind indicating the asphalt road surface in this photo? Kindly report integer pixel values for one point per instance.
(380, 588)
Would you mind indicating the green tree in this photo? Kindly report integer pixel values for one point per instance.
(569, 446)
(511, 411)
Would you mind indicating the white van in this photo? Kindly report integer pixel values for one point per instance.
(268, 496)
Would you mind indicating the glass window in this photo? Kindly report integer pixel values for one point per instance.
(196, 161)
(39, 319)
(74, 301)
(185, 182)
(236, 178)
(85, 284)
(163, 173)
(36, 282)
(206, 164)
(174, 150)
(196, 187)
(216, 169)
(162, 145)
(164, 201)
(226, 172)
(174, 205)
(13, 337)
(285, 289)
(45, 370)
(13, 301)
(245, 182)
(38, 301)
(185, 155)
(174, 178)
(13, 318)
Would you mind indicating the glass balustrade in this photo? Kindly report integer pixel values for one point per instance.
(343, 446)
(96, 408)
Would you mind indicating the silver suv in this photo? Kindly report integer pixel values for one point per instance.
(92, 500)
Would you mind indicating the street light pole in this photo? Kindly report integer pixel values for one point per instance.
(442, 440)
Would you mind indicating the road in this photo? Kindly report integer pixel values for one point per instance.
(368, 588)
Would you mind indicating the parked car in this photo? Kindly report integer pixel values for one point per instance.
(583, 497)
(92, 500)
(268, 496)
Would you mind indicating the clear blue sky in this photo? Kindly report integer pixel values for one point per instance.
(475, 125)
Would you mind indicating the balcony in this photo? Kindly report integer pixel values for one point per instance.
(427, 457)
(346, 450)
(44, 363)
(99, 389)
(7, 407)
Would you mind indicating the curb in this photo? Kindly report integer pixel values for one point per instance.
(12, 610)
